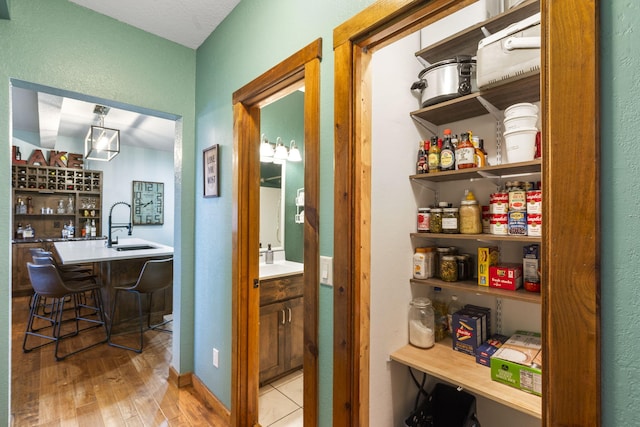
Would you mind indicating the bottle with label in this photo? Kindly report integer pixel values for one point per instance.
(440, 315)
(19, 232)
(454, 306)
(434, 155)
(424, 263)
(421, 161)
(93, 228)
(447, 154)
(268, 256)
(465, 153)
(71, 230)
(480, 155)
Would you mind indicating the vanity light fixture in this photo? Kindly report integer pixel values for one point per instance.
(281, 153)
(294, 152)
(101, 143)
(266, 151)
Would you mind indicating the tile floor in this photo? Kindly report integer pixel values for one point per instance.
(280, 402)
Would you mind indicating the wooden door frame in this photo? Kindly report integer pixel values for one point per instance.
(570, 242)
(301, 67)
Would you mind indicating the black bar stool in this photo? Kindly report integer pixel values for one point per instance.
(47, 283)
(156, 275)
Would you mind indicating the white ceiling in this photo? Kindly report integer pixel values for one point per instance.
(187, 22)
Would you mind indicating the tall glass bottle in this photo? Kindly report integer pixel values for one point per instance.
(447, 154)
(434, 155)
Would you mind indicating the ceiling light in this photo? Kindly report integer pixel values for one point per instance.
(101, 143)
(294, 153)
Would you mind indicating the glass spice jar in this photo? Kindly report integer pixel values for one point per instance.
(435, 220)
(440, 252)
(450, 221)
(449, 268)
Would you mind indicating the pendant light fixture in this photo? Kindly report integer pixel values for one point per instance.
(294, 152)
(101, 143)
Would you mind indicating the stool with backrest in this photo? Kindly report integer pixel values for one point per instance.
(156, 275)
(47, 283)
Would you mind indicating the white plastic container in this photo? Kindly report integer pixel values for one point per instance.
(520, 145)
(520, 122)
(521, 109)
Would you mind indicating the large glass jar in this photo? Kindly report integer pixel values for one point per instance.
(450, 221)
(449, 268)
(421, 323)
(435, 220)
(440, 252)
(470, 217)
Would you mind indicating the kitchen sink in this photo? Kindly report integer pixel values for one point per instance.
(134, 247)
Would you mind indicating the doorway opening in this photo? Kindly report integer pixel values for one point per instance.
(301, 70)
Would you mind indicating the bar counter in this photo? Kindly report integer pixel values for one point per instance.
(118, 266)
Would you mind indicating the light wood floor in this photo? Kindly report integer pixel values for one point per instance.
(103, 386)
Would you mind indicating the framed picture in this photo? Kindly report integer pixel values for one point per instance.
(211, 171)
(147, 203)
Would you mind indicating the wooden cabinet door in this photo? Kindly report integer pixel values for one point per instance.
(295, 336)
(272, 340)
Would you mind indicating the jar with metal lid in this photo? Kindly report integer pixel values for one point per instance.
(435, 220)
(470, 217)
(424, 261)
(424, 216)
(464, 267)
(440, 252)
(449, 268)
(421, 323)
(450, 221)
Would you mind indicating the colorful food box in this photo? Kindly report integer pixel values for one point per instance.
(486, 258)
(485, 314)
(518, 362)
(506, 276)
(466, 331)
(488, 348)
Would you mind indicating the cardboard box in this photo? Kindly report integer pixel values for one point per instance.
(486, 258)
(488, 348)
(530, 263)
(518, 362)
(466, 332)
(506, 276)
(485, 312)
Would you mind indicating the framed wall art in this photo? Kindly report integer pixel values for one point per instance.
(147, 203)
(211, 168)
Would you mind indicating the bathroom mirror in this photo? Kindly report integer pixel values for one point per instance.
(282, 121)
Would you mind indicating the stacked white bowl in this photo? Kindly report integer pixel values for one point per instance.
(520, 131)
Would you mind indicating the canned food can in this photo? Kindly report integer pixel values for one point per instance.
(534, 224)
(517, 200)
(498, 224)
(499, 202)
(517, 223)
(534, 201)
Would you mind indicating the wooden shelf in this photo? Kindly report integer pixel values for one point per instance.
(471, 286)
(533, 166)
(466, 41)
(526, 89)
(442, 362)
(479, 237)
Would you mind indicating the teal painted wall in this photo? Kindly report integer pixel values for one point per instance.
(619, 190)
(256, 36)
(58, 44)
(285, 118)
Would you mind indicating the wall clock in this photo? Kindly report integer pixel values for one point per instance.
(148, 203)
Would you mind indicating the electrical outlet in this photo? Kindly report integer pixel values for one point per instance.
(215, 357)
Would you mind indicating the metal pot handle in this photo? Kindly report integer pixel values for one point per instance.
(464, 78)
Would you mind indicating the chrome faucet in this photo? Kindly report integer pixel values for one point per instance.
(128, 225)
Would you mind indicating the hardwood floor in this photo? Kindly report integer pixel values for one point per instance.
(103, 386)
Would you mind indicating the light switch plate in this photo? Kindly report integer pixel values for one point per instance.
(326, 270)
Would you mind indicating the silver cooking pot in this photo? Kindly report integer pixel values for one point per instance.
(446, 80)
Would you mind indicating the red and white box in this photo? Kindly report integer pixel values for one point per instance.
(506, 276)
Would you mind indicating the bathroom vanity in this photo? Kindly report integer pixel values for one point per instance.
(281, 319)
